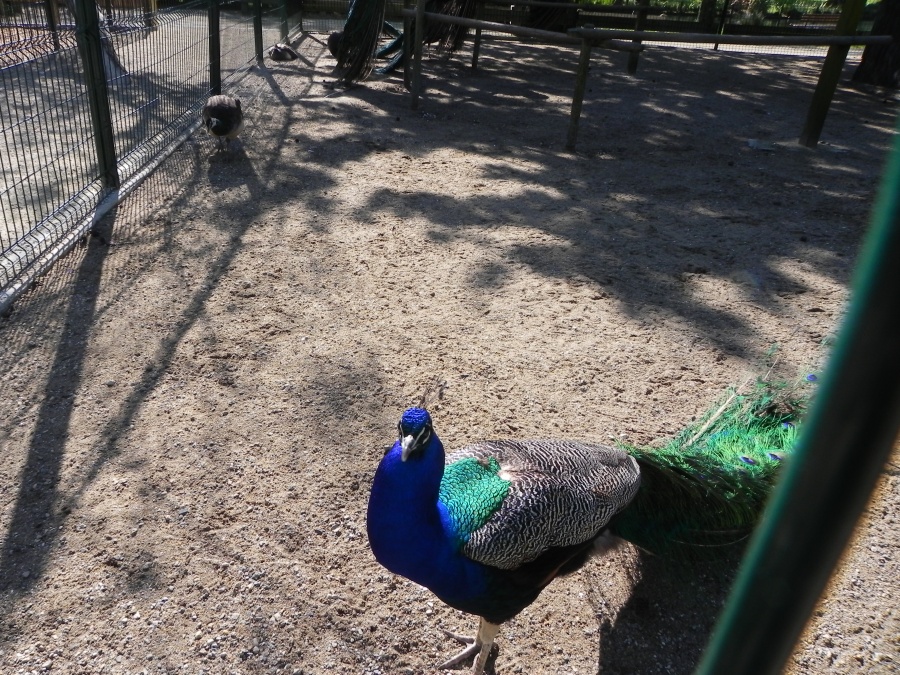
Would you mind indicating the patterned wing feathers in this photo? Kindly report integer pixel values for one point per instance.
(561, 493)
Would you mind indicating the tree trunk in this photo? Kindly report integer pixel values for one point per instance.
(880, 64)
(706, 17)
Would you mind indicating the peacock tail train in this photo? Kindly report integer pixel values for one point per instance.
(708, 485)
(359, 43)
(449, 37)
(356, 51)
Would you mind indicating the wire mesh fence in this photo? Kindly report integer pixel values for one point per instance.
(157, 72)
(159, 64)
(49, 170)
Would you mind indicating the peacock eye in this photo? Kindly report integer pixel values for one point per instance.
(424, 436)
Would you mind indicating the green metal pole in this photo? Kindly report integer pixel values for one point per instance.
(285, 28)
(257, 29)
(51, 11)
(215, 52)
(830, 75)
(87, 33)
(851, 430)
(151, 9)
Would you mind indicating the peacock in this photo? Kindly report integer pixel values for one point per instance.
(223, 118)
(487, 527)
(282, 51)
(357, 46)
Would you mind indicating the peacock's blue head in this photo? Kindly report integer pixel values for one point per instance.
(415, 431)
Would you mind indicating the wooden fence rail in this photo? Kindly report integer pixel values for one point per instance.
(633, 41)
(592, 37)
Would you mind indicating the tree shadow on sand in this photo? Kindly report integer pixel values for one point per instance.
(666, 621)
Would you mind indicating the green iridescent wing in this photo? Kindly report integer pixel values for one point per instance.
(510, 501)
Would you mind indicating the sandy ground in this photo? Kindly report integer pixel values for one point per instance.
(195, 401)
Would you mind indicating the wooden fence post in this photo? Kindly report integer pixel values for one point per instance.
(639, 23)
(830, 75)
(476, 45)
(407, 47)
(584, 64)
(417, 54)
(723, 20)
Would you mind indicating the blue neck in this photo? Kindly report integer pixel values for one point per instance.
(409, 528)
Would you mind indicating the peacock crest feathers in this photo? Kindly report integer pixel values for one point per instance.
(708, 485)
(414, 421)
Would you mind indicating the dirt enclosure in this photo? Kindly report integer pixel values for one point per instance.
(196, 398)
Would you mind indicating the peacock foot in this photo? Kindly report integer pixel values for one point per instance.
(478, 647)
(470, 651)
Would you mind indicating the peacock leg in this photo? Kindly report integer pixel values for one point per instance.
(479, 647)
(487, 631)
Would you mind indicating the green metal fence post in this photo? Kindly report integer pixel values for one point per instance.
(151, 9)
(847, 440)
(52, 13)
(257, 30)
(285, 29)
(215, 53)
(87, 33)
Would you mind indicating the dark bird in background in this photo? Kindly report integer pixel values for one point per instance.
(334, 43)
(223, 118)
(355, 47)
(112, 64)
(359, 44)
(489, 526)
(351, 62)
(282, 52)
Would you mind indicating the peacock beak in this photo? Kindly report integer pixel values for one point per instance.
(406, 446)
